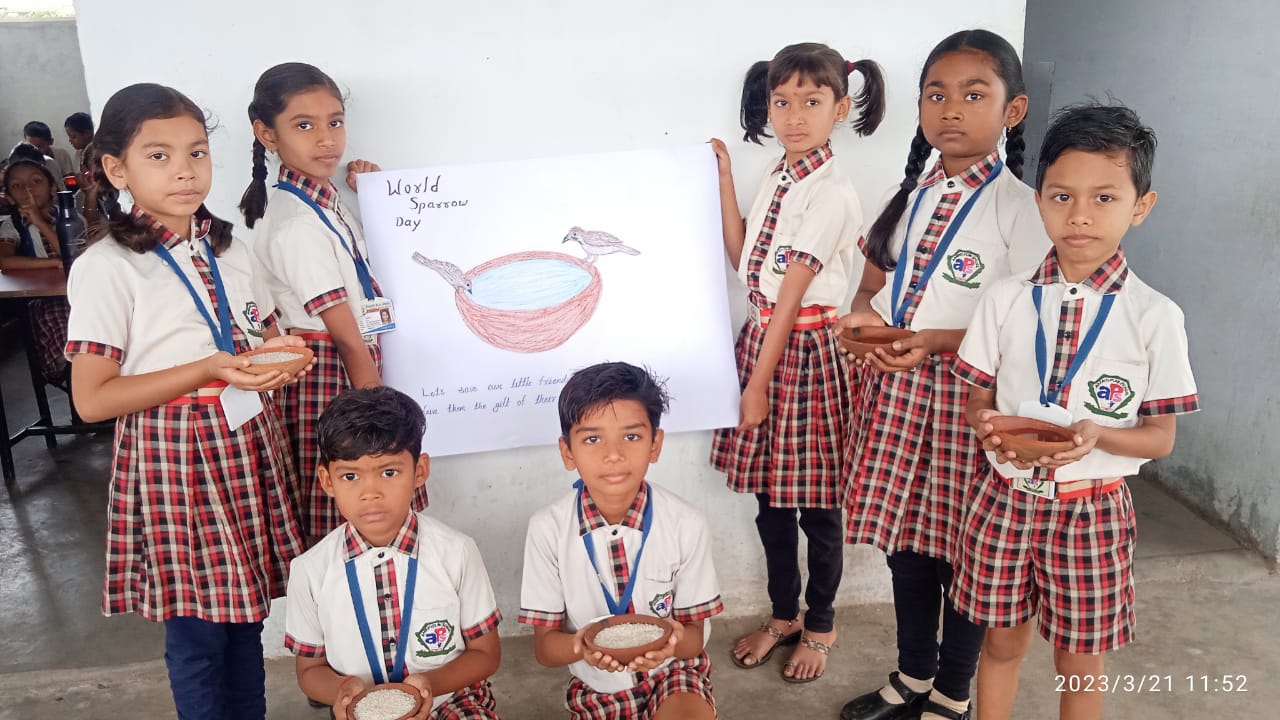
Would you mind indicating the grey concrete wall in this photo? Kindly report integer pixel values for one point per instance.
(1206, 77)
(41, 78)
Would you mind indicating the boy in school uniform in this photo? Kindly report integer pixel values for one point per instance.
(1083, 343)
(390, 595)
(618, 544)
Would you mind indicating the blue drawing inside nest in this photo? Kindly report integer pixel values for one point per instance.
(529, 284)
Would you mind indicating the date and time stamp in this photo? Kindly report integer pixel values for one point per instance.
(1227, 684)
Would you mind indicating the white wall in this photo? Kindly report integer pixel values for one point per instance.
(41, 78)
(487, 81)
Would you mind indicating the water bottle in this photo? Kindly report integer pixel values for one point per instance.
(70, 226)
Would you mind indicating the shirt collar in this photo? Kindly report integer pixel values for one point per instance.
(973, 176)
(170, 239)
(326, 195)
(806, 165)
(406, 540)
(1108, 278)
(592, 519)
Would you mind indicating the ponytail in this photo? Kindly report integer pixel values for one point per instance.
(253, 204)
(880, 235)
(1014, 146)
(870, 100)
(755, 102)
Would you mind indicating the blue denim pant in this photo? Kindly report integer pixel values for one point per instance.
(216, 670)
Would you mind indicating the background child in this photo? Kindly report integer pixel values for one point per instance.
(1054, 538)
(315, 256)
(79, 130)
(200, 530)
(440, 637)
(658, 550)
(795, 395)
(913, 456)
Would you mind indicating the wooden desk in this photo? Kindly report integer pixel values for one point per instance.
(17, 287)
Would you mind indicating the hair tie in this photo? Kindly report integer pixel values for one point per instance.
(849, 67)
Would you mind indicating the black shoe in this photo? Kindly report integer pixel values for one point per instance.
(935, 708)
(872, 706)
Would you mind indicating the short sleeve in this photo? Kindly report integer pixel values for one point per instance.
(303, 634)
(478, 607)
(697, 591)
(262, 295)
(101, 298)
(1171, 388)
(302, 254)
(978, 360)
(541, 593)
(831, 215)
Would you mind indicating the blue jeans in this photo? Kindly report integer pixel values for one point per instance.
(216, 670)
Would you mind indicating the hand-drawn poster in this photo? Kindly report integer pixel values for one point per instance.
(507, 277)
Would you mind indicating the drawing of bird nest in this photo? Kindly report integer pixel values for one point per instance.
(529, 301)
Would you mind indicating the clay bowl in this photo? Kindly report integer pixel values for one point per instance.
(862, 340)
(530, 330)
(266, 359)
(1030, 439)
(626, 655)
(404, 687)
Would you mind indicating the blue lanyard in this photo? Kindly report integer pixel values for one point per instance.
(406, 610)
(899, 300)
(1086, 346)
(619, 606)
(221, 337)
(362, 268)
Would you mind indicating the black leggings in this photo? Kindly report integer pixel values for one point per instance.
(824, 529)
(920, 585)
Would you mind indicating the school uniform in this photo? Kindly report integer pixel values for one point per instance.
(913, 455)
(200, 528)
(309, 271)
(1058, 543)
(48, 315)
(562, 588)
(452, 604)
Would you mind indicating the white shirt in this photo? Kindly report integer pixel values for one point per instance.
(676, 579)
(132, 307)
(820, 217)
(1002, 235)
(1139, 365)
(9, 236)
(452, 601)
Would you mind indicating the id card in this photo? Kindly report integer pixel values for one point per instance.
(239, 406)
(378, 316)
(1053, 414)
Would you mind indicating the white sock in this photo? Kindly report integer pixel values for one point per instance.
(958, 706)
(891, 696)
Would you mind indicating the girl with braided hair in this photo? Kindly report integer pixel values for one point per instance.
(913, 457)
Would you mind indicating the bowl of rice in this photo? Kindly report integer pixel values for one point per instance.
(626, 637)
(286, 359)
(390, 701)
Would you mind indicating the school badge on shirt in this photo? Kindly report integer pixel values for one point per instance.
(780, 256)
(963, 266)
(661, 604)
(436, 638)
(1108, 396)
(254, 316)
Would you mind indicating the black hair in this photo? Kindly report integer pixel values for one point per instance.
(823, 67)
(15, 216)
(1009, 68)
(122, 118)
(370, 421)
(80, 122)
(271, 95)
(1097, 128)
(37, 129)
(595, 387)
(26, 151)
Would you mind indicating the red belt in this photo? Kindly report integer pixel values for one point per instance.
(205, 395)
(810, 317)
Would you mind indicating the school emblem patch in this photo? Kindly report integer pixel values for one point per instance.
(436, 638)
(1108, 396)
(780, 255)
(661, 604)
(254, 316)
(963, 266)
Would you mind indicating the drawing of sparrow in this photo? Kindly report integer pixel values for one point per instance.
(450, 272)
(596, 243)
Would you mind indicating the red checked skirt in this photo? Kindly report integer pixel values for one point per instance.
(913, 461)
(795, 456)
(300, 408)
(650, 692)
(200, 521)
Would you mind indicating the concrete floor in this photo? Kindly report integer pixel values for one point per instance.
(1206, 607)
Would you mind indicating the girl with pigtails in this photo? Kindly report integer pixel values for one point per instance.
(788, 445)
(944, 237)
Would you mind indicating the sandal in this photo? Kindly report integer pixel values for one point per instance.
(815, 645)
(779, 638)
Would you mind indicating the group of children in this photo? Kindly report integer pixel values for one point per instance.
(222, 478)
